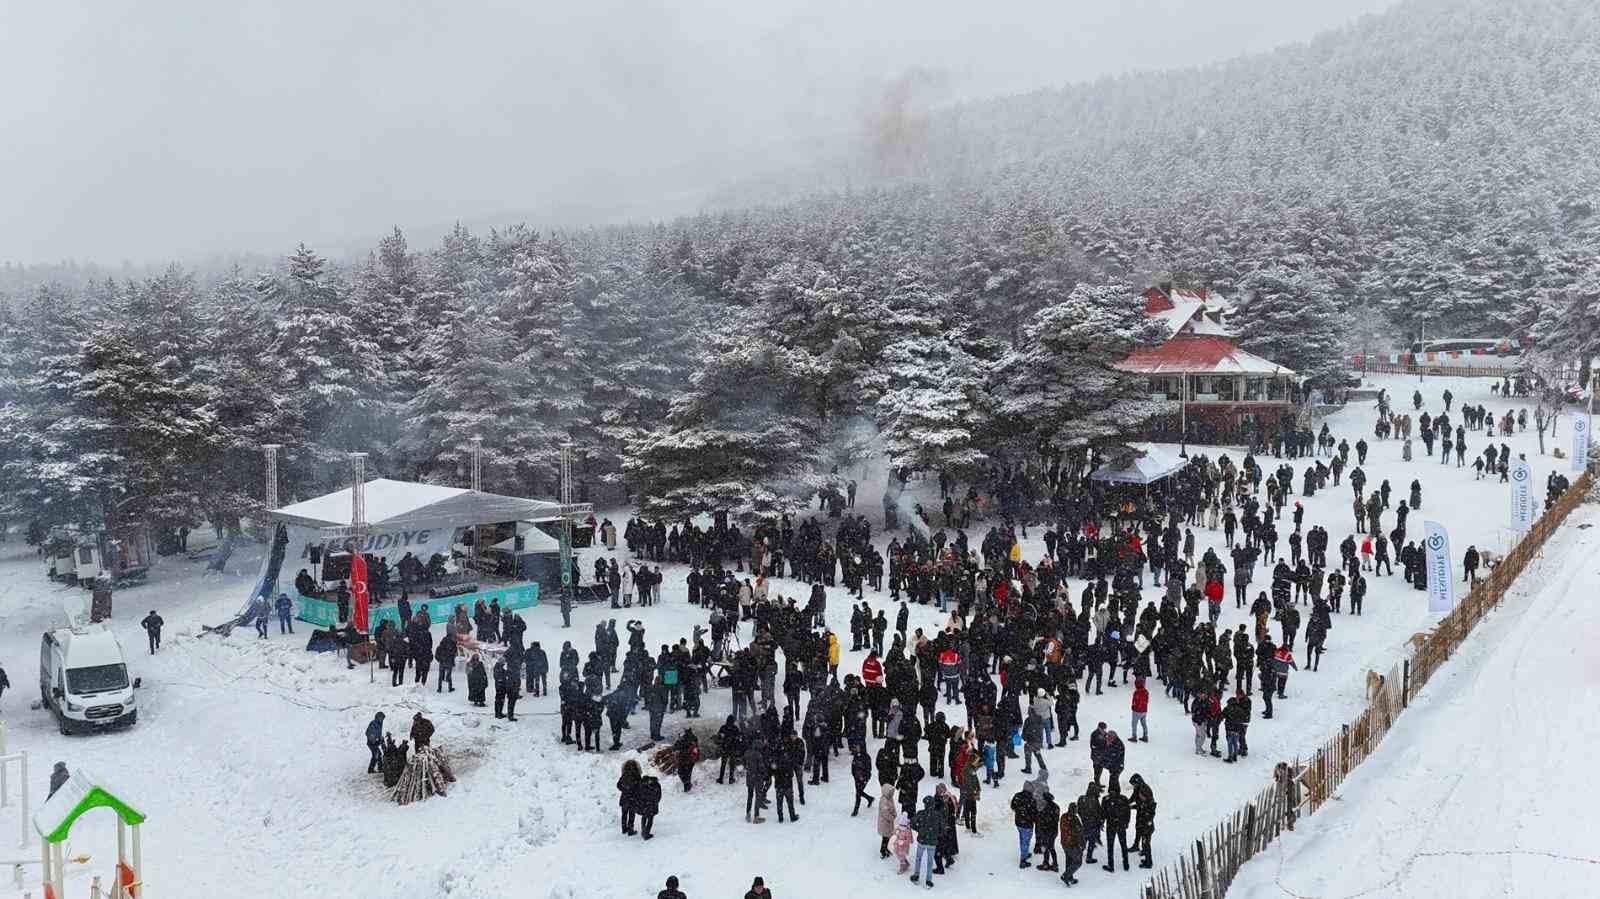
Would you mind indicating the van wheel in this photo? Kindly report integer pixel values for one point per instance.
(62, 724)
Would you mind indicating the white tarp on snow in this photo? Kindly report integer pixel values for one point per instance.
(1154, 464)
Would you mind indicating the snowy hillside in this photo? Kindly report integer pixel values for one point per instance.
(248, 755)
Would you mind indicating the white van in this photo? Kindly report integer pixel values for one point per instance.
(83, 679)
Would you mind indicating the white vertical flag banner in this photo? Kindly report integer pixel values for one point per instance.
(1441, 586)
(1521, 474)
(1580, 441)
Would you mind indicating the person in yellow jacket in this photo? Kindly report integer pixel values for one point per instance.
(833, 654)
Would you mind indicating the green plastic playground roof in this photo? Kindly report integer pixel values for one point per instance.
(80, 794)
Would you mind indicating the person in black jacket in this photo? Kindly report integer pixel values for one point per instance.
(783, 783)
(672, 891)
(1023, 812)
(936, 733)
(730, 748)
(861, 771)
(445, 655)
(1114, 808)
(1045, 824)
(649, 804)
(152, 627)
(477, 681)
(757, 770)
(538, 666)
(628, 794)
(500, 689)
(374, 743)
(1144, 807)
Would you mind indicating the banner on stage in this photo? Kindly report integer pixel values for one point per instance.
(1580, 441)
(1521, 475)
(1441, 586)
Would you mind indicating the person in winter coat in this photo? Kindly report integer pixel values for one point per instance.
(285, 609)
(758, 890)
(648, 798)
(445, 655)
(477, 681)
(1023, 810)
(902, 842)
(929, 827)
(421, 732)
(1046, 820)
(686, 754)
(937, 733)
(971, 792)
(1141, 706)
(1089, 813)
(58, 778)
(1143, 801)
(861, 773)
(152, 624)
(887, 815)
(500, 689)
(375, 744)
(1115, 756)
(908, 783)
(730, 749)
(537, 664)
(672, 891)
(1097, 749)
(1115, 809)
(628, 795)
(1032, 742)
(1071, 844)
(757, 773)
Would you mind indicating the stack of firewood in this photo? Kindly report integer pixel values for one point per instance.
(665, 759)
(426, 775)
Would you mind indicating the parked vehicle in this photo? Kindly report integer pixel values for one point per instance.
(83, 679)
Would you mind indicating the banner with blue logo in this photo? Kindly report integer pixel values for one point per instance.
(1580, 441)
(1521, 474)
(1441, 586)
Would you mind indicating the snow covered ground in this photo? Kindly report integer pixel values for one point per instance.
(1479, 790)
(249, 759)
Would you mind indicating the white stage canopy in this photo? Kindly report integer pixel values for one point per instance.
(393, 505)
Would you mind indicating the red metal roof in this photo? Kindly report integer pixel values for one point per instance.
(1199, 354)
(1156, 300)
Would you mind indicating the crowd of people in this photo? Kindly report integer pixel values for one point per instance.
(938, 716)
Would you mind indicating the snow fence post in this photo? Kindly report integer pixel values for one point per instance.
(1405, 683)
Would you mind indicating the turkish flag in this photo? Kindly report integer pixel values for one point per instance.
(358, 589)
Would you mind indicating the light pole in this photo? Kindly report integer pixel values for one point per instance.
(1183, 416)
(477, 464)
(567, 585)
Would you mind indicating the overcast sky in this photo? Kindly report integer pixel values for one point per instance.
(148, 130)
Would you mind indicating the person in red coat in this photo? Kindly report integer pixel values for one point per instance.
(1141, 705)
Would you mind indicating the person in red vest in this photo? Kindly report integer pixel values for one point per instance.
(872, 669)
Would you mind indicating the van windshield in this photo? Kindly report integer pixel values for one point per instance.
(96, 679)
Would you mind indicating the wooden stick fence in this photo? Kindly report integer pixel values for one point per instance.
(1208, 866)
